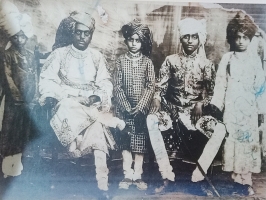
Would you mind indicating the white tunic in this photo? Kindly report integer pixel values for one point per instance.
(69, 71)
(239, 81)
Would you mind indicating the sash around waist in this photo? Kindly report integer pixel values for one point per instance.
(87, 87)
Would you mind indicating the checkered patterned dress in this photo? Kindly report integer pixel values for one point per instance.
(134, 87)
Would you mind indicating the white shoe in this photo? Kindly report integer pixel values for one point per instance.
(141, 185)
(197, 176)
(125, 183)
(250, 191)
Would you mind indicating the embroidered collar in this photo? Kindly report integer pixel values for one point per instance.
(193, 55)
(79, 54)
(132, 56)
(21, 54)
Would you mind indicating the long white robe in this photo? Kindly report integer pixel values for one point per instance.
(69, 71)
(239, 81)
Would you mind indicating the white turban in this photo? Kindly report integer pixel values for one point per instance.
(194, 26)
(12, 21)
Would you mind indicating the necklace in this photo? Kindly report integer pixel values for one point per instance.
(135, 57)
(23, 57)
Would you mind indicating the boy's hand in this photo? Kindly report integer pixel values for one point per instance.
(135, 112)
(196, 112)
(155, 106)
(51, 101)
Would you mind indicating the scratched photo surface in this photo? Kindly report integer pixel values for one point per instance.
(118, 99)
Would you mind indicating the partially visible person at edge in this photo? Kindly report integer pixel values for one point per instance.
(134, 89)
(20, 85)
(73, 78)
(240, 81)
(184, 85)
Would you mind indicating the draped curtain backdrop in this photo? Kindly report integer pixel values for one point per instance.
(110, 15)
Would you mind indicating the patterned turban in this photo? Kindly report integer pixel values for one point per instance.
(240, 23)
(66, 28)
(85, 19)
(12, 21)
(143, 32)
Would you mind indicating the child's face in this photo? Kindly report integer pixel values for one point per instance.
(241, 42)
(19, 40)
(133, 43)
(190, 43)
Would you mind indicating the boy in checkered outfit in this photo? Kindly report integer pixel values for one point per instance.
(133, 90)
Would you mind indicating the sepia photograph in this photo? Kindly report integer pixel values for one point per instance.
(132, 100)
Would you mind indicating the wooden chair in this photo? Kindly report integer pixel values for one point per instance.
(48, 137)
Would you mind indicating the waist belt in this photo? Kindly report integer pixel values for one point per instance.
(87, 87)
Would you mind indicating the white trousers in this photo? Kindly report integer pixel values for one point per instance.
(136, 172)
(101, 169)
(159, 149)
(210, 150)
(244, 179)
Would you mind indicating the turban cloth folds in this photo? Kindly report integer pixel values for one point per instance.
(66, 28)
(194, 26)
(12, 21)
(143, 32)
(240, 23)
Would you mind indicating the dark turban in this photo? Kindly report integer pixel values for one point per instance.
(143, 32)
(240, 23)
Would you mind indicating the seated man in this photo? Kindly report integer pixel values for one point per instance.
(185, 84)
(75, 77)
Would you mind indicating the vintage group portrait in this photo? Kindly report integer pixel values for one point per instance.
(113, 99)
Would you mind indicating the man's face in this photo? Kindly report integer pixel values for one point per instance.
(133, 43)
(190, 43)
(19, 40)
(82, 37)
(241, 42)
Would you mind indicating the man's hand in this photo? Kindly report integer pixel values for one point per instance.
(196, 112)
(93, 99)
(51, 101)
(82, 100)
(155, 106)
